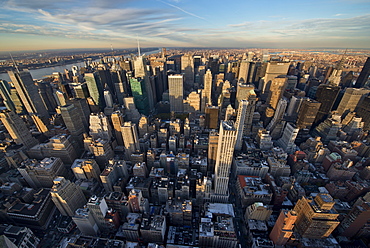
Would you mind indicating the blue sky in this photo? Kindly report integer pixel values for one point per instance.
(45, 24)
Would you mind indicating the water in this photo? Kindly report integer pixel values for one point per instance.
(44, 72)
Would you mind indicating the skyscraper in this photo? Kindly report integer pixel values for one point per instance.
(289, 135)
(239, 124)
(273, 70)
(67, 196)
(350, 100)
(225, 151)
(207, 91)
(117, 121)
(243, 71)
(364, 75)
(187, 67)
(307, 113)
(96, 89)
(276, 90)
(316, 218)
(130, 137)
(17, 129)
(326, 95)
(176, 92)
(28, 92)
(73, 120)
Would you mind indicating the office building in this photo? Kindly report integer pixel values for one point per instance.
(187, 68)
(326, 95)
(100, 126)
(350, 100)
(140, 93)
(364, 75)
(207, 91)
(225, 150)
(363, 111)
(211, 112)
(176, 92)
(273, 70)
(355, 219)
(17, 129)
(28, 93)
(276, 90)
(307, 113)
(114, 173)
(316, 218)
(72, 118)
(96, 89)
(117, 121)
(283, 228)
(289, 135)
(130, 137)
(98, 209)
(294, 105)
(67, 196)
(85, 222)
(41, 174)
(86, 169)
(239, 124)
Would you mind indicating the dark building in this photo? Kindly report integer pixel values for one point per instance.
(364, 75)
(307, 113)
(326, 95)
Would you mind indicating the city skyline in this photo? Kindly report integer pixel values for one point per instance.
(65, 24)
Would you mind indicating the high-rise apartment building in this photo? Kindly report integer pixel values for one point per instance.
(176, 92)
(350, 100)
(316, 218)
(364, 75)
(17, 129)
(67, 196)
(289, 135)
(225, 151)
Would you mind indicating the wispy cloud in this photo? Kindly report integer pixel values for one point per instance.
(186, 12)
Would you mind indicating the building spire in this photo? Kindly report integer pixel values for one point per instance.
(15, 64)
(138, 47)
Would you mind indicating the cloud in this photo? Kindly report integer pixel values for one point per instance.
(186, 12)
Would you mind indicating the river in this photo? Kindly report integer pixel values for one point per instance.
(42, 72)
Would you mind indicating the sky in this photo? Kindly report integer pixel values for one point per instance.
(62, 24)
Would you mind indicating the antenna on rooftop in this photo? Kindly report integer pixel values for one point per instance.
(15, 64)
(138, 47)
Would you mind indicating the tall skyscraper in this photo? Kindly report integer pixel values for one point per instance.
(326, 95)
(86, 169)
(239, 124)
(279, 114)
(364, 75)
(96, 89)
(243, 71)
(73, 120)
(276, 90)
(350, 100)
(212, 150)
(207, 91)
(117, 121)
(243, 91)
(294, 105)
(176, 92)
(307, 113)
(67, 196)
(187, 67)
(130, 138)
(289, 135)
(316, 218)
(273, 70)
(225, 151)
(100, 126)
(17, 129)
(363, 110)
(28, 92)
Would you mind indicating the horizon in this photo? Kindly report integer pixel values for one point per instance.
(287, 24)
